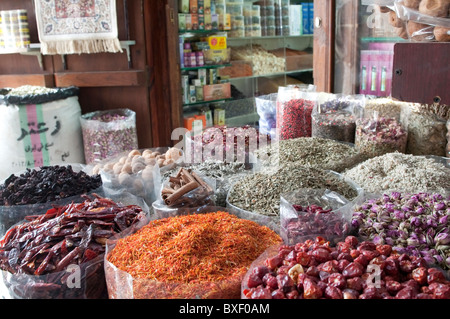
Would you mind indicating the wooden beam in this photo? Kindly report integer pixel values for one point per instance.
(16, 80)
(101, 79)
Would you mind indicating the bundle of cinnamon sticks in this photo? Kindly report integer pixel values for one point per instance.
(182, 183)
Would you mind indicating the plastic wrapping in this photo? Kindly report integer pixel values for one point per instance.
(139, 171)
(328, 221)
(10, 215)
(44, 130)
(108, 133)
(294, 108)
(122, 285)
(429, 22)
(380, 128)
(426, 131)
(333, 117)
(266, 107)
(84, 280)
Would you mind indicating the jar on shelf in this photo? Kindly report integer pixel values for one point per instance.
(239, 32)
(235, 9)
(270, 31)
(237, 22)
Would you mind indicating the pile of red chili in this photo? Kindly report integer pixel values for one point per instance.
(208, 247)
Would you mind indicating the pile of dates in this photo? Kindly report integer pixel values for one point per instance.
(350, 270)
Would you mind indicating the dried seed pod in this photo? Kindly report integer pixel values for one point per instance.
(442, 34)
(434, 8)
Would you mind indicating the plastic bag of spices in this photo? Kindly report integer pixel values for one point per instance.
(266, 107)
(293, 113)
(195, 255)
(313, 212)
(108, 133)
(64, 255)
(333, 117)
(34, 191)
(427, 129)
(39, 126)
(381, 131)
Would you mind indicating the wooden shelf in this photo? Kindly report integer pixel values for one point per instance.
(101, 78)
(16, 80)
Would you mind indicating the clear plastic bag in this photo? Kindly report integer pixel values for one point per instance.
(266, 107)
(10, 215)
(312, 213)
(108, 133)
(122, 285)
(426, 130)
(333, 117)
(294, 108)
(380, 129)
(77, 280)
(429, 22)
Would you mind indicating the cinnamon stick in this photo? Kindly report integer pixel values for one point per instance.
(180, 192)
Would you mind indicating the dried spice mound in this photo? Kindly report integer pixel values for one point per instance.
(46, 184)
(311, 152)
(260, 192)
(194, 248)
(401, 172)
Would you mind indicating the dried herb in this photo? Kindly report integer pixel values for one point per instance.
(260, 192)
(46, 184)
(335, 126)
(400, 172)
(311, 152)
(193, 250)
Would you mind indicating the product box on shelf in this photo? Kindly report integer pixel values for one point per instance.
(217, 42)
(216, 91)
(295, 18)
(219, 116)
(376, 72)
(183, 6)
(193, 6)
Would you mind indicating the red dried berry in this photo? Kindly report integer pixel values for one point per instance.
(362, 260)
(352, 270)
(391, 267)
(367, 245)
(311, 290)
(260, 271)
(350, 294)
(354, 253)
(303, 258)
(355, 283)
(270, 281)
(254, 281)
(420, 275)
(352, 241)
(330, 266)
(278, 294)
(312, 271)
(406, 293)
(370, 254)
(442, 292)
(424, 296)
(321, 255)
(292, 294)
(273, 262)
(261, 293)
(406, 266)
(393, 287)
(384, 250)
(342, 264)
(285, 282)
(345, 256)
(337, 280)
(333, 293)
(435, 275)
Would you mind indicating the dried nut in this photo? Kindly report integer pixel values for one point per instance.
(134, 152)
(147, 152)
(96, 169)
(126, 168)
(442, 34)
(108, 167)
(418, 31)
(117, 168)
(160, 162)
(394, 20)
(413, 4)
(150, 161)
(168, 162)
(137, 167)
(124, 178)
(138, 185)
(123, 159)
(147, 173)
(434, 8)
(173, 153)
(156, 153)
(137, 159)
(160, 157)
